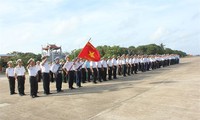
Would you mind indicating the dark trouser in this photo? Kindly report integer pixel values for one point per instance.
(100, 74)
(78, 78)
(64, 77)
(51, 76)
(94, 75)
(135, 68)
(124, 69)
(39, 76)
(88, 74)
(83, 75)
(129, 69)
(33, 85)
(119, 70)
(46, 83)
(142, 67)
(110, 73)
(12, 84)
(21, 81)
(139, 66)
(114, 72)
(71, 75)
(132, 68)
(104, 73)
(58, 78)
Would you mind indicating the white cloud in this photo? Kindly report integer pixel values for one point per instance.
(160, 33)
(116, 22)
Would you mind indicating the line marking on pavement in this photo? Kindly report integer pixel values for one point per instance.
(4, 104)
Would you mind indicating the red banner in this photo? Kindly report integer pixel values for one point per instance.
(89, 52)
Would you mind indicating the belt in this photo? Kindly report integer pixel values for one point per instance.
(32, 76)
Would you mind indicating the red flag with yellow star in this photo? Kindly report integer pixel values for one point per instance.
(89, 52)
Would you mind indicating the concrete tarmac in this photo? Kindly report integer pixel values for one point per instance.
(170, 93)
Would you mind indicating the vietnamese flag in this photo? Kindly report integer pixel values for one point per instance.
(89, 52)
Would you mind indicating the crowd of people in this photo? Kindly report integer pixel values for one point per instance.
(80, 71)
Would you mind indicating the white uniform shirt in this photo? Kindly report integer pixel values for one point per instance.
(99, 65)
(77, 65)
(109, 62)
(144, 59)
(104, 63)
(19, 71)
(119, 62)
(10, 72)
(54, 68)
(141, 60)
(130, 61)
(83, 64)
(114, 62)
(93, 64)
(45, 68)
(32, 71)
(69, 66)
(38, 67)
(123, 61)
(134, 60)
(127, 60)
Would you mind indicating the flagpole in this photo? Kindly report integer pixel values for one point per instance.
(89, 39)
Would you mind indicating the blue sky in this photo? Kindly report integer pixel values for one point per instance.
(25, 25)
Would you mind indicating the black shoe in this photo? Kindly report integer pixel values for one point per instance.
(37, 96)
(59, 91)
(33, 96)
(23, 93)
(72, 88)
(100, 81)
(95, 82)
(20, 94)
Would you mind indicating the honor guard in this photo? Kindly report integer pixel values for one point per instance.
(128, 65)
(11, 77)
(45, 68)
(114, 62)
(56, 68)
(88, 70)
(93, 67)
(20, 76)
(100, 70)
(119, 65)
(39, 73)
(123, 65)
(105, 66)
(110, 68)
(83, 71)
(78, 66)
(69, 68)
(32, 71)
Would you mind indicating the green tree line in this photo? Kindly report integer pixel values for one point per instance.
(105, 51)
(150, 49)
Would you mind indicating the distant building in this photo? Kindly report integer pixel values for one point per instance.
(52, 51)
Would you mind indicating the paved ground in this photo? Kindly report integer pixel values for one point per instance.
(171, 93)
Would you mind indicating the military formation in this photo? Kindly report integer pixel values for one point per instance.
(80, 71)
